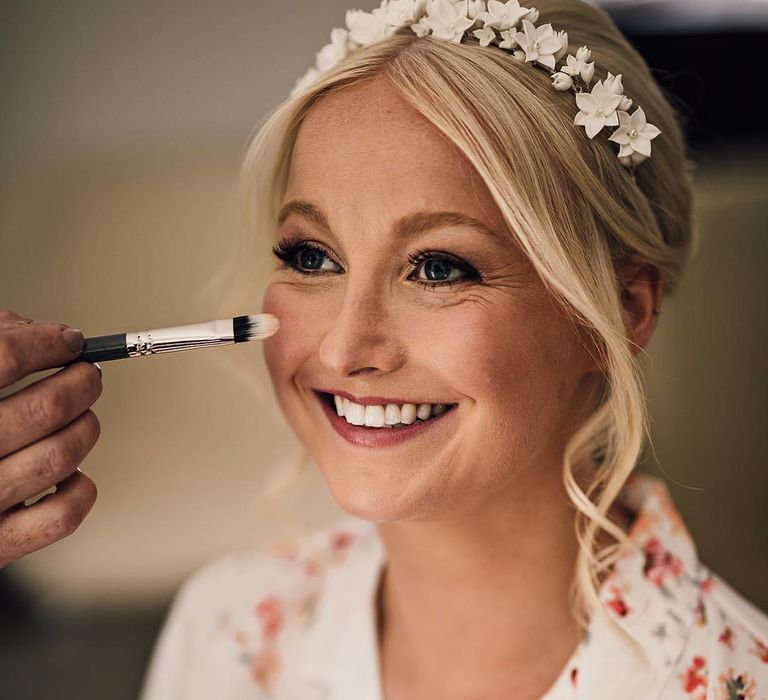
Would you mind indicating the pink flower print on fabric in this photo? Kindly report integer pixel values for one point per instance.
(616, 602)
(269, 612)
(694, 678)
(660, 563)
(265, 667)
(726, 637)
(759, 649)
(731, 686)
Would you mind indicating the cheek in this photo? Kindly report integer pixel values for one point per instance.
(493, 356)
(299, 333)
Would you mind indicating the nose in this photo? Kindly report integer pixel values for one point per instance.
(362, 338)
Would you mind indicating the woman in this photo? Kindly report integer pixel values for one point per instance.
(461, 256)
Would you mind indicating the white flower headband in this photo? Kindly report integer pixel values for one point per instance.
(605, 105)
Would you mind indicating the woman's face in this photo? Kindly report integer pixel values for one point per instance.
(371, 316)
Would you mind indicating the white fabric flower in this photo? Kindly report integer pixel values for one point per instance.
(532, 16)
(475, 7)
(448, 20)
(366, 28)
(562, 82)
(503, 15)
(308, 77)
(597, 109)
(625, 104)
(583, 54)
(575, 66)
(508, 40)
(401, 12)
(486, 35)
(613, 84)
(563, 38)
(332, 53)
(539, 43)
(634, 135)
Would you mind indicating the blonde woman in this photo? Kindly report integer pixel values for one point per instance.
(470, 247)
(466, 269)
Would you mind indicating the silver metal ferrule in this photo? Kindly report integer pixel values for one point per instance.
(175, 338)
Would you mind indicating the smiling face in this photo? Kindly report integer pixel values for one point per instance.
(369, 316)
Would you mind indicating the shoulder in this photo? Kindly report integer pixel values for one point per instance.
(284, 569)
(235, 619)
(727, 652)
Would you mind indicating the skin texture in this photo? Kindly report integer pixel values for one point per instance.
(46, 431)
(477, 528)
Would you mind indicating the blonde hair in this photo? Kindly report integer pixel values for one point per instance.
(569, 203)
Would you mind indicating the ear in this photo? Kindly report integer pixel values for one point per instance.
(641, 293)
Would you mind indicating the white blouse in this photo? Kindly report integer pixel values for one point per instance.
(300, 624)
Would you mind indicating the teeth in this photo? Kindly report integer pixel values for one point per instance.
(392, 414)
(354, 413)
(386, 416)
(408, 413)
(424, 411)
(374, 416)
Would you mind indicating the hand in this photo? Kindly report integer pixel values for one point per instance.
(46, 430)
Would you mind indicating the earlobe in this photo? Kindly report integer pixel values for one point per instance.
(641, 293)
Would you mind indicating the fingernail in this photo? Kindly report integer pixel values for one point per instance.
(98, 367)
(73, 337)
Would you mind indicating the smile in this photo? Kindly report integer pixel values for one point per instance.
(378, 425)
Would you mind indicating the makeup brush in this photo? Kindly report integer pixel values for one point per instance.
(223, 331)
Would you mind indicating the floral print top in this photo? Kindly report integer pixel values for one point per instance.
(299, 623)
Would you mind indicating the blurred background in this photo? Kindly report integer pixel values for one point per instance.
(122, 128)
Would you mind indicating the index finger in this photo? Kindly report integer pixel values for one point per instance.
(31, 347)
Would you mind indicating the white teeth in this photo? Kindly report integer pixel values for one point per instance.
(392, 414)
(408, 413)
(386, 416)
(424, 411)
(374, 416)
(354, 413)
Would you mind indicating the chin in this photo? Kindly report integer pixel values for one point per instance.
(378, 504)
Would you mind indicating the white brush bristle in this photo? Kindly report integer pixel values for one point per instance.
(264, 325)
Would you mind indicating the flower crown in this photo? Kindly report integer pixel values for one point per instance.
(602, 105)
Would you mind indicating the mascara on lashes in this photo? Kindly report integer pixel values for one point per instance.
(287, 249)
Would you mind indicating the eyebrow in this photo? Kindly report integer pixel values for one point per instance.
(405, 227)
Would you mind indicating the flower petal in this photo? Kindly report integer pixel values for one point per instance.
(594, 125)
(586, 102)
(641, 144)
(651, 131)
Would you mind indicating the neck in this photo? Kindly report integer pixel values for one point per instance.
(466, 601)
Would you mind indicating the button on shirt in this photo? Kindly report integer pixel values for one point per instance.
(300, 623)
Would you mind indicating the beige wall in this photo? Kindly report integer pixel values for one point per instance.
(122, 130)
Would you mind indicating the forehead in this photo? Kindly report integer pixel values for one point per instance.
(365, 146)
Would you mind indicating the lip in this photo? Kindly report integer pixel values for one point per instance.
(371, 400)
(363, 436)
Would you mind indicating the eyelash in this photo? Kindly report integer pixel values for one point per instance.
(287, 249)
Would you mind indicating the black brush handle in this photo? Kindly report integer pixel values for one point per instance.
(104, 347)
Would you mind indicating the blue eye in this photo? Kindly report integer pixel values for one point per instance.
(441, 269)
(303, 257)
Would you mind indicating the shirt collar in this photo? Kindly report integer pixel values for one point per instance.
(652, 593)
